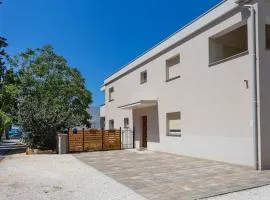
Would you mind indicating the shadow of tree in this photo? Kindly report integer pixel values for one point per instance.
(9, 147)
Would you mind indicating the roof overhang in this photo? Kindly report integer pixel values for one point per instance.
(139, 104)
(215, 13)
(102, 88)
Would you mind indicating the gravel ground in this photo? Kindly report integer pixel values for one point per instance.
(262, 193)
(57, 177)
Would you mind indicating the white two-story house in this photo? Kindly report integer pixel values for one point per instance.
(202, 92)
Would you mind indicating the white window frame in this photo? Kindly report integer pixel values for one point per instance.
(168, 66)
(214, 44)
(126, 125)
(111, 124)
(111, 91)
(177, 131)
(143, 77)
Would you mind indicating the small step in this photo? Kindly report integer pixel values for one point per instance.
(142, 149)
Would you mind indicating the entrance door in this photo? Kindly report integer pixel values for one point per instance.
(144, 131)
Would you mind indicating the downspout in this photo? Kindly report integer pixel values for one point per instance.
(255, 85)
(253, 54)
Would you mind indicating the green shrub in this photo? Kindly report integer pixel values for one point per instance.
(5, 123)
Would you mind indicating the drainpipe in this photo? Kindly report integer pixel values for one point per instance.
(255, 85)
(253, 53)
(254, 88)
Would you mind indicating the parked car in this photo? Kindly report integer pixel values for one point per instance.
(15, 132)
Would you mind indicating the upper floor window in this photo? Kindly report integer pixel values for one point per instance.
(111, 124)
(267, 35)
(126, 122)
(143, 77)
(173, 124)
(111, 91)
(173, 68)
(229, 44)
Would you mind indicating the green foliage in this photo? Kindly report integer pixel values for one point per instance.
(3, 45)
(52, 95)
(5, 122)
(8, 84)
(8, 90)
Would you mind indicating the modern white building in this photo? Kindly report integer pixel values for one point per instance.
(202, 92)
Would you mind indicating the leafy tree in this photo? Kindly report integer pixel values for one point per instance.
(3, 45)
(8, 90)
(5, 122)
(3, 116)
(52, 95)
(4, 89)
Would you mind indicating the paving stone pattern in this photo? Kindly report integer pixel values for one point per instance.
(164, 176)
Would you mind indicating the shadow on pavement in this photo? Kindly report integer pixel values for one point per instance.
(10, 147)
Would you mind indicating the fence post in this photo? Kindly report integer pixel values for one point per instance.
(83, 141)
(102, 139)
(133, 137)
(120, 139)
(68, 140)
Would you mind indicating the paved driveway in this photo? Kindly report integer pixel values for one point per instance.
(157, 176)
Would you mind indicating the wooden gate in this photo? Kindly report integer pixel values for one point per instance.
(94, 140)
(111, 139)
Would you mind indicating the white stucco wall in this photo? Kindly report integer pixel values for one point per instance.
(102, 111)
(214, 102)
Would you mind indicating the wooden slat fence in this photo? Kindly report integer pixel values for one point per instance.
(75, 142)
(94, 140)
(112, 139)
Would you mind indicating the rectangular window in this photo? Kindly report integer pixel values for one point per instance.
(143, 77)
(173, 68)
(173, 124)
(228, 45)
(126, 122)
(111, 91)
(111, 124)
(267, 35)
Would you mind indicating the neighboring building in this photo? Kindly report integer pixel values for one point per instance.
(195, 93)
(95, 117)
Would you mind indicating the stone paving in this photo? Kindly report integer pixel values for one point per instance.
(162, 176)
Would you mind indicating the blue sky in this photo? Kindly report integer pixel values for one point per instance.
(98, 37)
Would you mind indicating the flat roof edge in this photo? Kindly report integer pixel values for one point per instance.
(107, 79)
